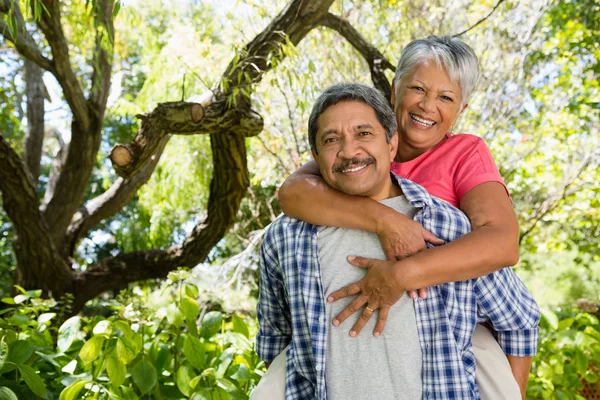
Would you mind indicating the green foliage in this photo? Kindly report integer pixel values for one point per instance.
(140, 352)
(568, 359)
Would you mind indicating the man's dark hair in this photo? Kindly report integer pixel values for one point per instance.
(351, 92)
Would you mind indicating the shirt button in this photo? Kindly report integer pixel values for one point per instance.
(318, 367)
(316, 274)
(321, 319)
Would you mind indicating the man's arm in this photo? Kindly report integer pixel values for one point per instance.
(273, 313)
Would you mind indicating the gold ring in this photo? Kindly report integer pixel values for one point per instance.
(369, 308)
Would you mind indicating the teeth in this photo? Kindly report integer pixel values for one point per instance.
(422, 121)
(354, 169)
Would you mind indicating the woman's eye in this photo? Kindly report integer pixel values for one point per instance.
(419, 88)
(447, 98)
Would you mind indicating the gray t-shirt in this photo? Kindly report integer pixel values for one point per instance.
(367, 367)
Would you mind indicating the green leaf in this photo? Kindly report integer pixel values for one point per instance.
(124, 352)
(591, 377)
(68, 332)
(194, 351)
(240, 373)
(20, 298)
(174, 316)
(3, 352)
(91, 349)
(192, 290)
(211, 324)
(189, 308)
(240, 326)
(34, 294)
(45, 317)
(116, 370)
(201, 394)
(183, 378)
(144, 375)
(580, 360)
(19, 352)
(116, 9)
(7, 394)
(71, 391)
(103, 328)
(549, 320)
(8, 300)
(33, 380)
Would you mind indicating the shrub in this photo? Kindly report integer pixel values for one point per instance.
(135, 354)
(566, 366)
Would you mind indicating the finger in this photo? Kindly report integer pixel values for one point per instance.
(431, 238)
(354, 306)
(413, 294)
(346, 291)
(361, 261)
(423, 293)
(381, 320)
(365, 316)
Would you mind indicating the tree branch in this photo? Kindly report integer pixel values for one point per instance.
(33, 245)
(103, 57)
(376, 61)
(228, 143)
(34, 140)
(51, 26)
(480, 21)
(110, 202)
(23, 41)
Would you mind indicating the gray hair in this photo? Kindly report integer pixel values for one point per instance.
(456, 57)
(351, 92)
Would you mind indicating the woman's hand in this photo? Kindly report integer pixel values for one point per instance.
(380, 289)
(401, 237)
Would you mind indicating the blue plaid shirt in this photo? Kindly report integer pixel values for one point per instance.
(291, 308)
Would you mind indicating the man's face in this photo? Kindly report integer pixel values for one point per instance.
(353, 154)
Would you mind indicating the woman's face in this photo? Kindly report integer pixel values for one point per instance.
(427, 103)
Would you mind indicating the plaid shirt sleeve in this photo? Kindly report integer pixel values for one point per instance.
(505, 301)
(273, 312)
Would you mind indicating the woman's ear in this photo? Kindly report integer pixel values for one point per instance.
(393, 97)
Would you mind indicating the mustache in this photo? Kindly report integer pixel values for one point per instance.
(346, 163)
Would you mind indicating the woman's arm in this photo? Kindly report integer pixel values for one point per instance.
(492, 245)
(306, 196)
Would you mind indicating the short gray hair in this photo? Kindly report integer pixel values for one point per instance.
(456, 57)
(351, 92)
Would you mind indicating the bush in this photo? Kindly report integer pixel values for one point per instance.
(566, 366)
(135, 354)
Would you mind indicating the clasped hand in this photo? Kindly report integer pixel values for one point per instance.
(383, 285)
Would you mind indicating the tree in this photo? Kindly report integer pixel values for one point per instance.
(48, 230)
(51, 212)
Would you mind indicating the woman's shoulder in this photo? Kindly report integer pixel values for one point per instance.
(466, 139)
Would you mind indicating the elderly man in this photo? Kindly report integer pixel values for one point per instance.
(425, 350)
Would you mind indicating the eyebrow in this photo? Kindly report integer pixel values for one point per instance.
(441, 91)
(363, 126)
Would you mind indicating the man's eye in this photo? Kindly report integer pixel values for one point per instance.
(364, 133)
(329, 140)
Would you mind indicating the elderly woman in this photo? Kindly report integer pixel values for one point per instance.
(433, 82)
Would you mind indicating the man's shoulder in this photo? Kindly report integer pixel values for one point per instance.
(286, 227)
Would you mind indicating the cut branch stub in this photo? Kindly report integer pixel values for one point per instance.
(180, 118)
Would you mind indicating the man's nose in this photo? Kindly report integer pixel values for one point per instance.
(349, 148)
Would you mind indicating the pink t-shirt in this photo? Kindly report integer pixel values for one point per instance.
(452, 168)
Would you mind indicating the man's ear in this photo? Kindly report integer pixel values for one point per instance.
(314, 154)
(393, 146)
